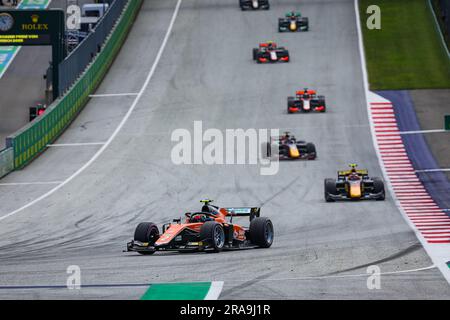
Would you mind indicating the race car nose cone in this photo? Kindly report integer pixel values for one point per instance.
(294, 152)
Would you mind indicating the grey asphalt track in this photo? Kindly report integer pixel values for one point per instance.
(206, 73)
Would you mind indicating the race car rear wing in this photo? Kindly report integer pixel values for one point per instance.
(345, 173)
(251, 212)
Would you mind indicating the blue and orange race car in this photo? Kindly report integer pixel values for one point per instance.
(287, 147)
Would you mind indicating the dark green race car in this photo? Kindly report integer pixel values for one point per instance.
(293, 22)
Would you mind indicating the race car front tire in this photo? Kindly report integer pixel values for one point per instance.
(213, 234)
(146, 232)
(261, 232)
(378, 187)
(311, 150)
(330, 188)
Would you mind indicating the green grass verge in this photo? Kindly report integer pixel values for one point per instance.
(407, 52)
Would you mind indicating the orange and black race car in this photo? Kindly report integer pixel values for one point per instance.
(270, 52)
(210, 230)
(354, 185)
(306, 100)
(289, 148)
(254, 4)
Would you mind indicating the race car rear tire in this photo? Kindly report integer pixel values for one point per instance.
(311, 150)
(305, 21)
(255, 53)
(290, 103)
(330, 188)
(378, 186)
(213, 234)
(261, 232)
(146, 232)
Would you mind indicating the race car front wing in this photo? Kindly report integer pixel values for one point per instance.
(366, 196)
(136, 246)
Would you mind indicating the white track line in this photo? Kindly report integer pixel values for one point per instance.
(110, 95)
(214, 291)
(422, 131)
(76, 144)
(119, 127)
(433, 170)
(12, 184)
(439, 255)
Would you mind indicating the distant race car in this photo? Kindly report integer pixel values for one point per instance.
(254, 4)
(306, 101)
(354, 185)
(210, 230)
(270, 52)
(37, 111)
(289, 148)
(293, 22)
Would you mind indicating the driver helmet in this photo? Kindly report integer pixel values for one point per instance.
(200, 218)
(353, 176)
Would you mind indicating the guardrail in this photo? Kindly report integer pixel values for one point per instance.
(34, 138)
(6, 161)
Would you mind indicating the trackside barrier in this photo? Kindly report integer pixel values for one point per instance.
(444, 6)
(6, 161)
(34, 138)
(442, 9)
(75, 64)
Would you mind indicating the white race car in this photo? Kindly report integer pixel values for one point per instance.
(254, 4)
